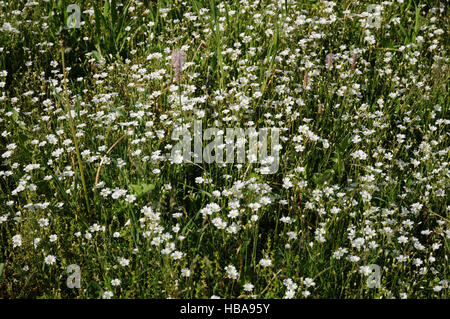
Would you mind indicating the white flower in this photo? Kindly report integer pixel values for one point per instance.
(356, 139)
(233, 213)
(108, 294)
(359, 155)
(354, 258)
(265, 262)
(177, 157)
(123, 261)
(231, 272)
(115, 282)
(185, 272)
(36, 242)
(308, 282)
(17, 241)
(417, 262)
(50, 259)
(248, 287)
(43, 222)
(289, 294)
(290, 284)
(219, 223)
(287, 183)
(130, 198)
(402, 239)
(7, 154)
(358, 243)
(365, 270)
(437, 288)
(176, 255)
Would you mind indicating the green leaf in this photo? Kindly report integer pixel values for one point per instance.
(61, 189)
(141, 189)
(106, 9)
(2, 266)
(97, 55)
(93, 290)
(98, 21)
(417, 24)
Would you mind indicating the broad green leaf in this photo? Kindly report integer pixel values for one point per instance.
(141, 189)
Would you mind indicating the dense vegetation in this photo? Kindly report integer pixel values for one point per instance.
(359, 93)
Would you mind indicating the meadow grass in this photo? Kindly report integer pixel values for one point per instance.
(359, 93)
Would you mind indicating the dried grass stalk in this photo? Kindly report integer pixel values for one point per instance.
(329, 60)
(354, 61)
(305, 80)
(178, 59)
(320, 109)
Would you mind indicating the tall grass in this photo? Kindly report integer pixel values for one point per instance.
(363, 177)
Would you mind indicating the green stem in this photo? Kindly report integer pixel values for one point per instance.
(72, 128)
